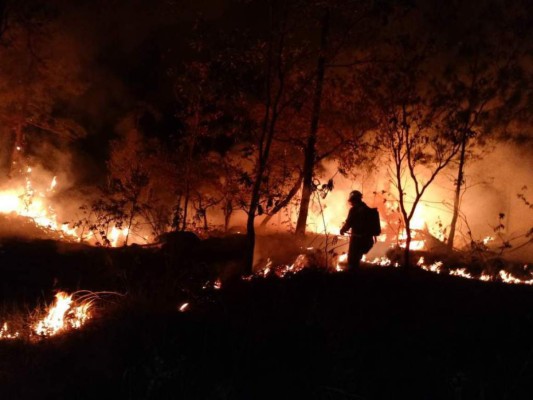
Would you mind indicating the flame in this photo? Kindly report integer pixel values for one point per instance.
(6, 334)
(462, 272)
(116, 234)
(508, 278)
(64, 314)
(485, 277)
(341, 262)
(281, 270)
(53, 184)
(416, 244)
(487, 240)
(26, 201)
(436, 267)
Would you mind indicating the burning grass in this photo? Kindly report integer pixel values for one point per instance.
(315, 258)
(66, 313)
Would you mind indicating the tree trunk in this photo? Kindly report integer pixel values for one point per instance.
(206, 227)
(310, 151)
(265, 142)
(250, 224)
(256, 191)
(228, 210)
(407, 251)
(130, 222)
(185, 207)
(458, 186)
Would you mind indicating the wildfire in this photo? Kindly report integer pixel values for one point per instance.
(64, 314)
(301, 262)
(341, 262)
(461, 272)
(416, 243)
(27, 201)
(508, 278)
(436, 267)
(6, 334)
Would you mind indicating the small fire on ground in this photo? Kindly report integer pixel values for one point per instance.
(65, 314)
(341, 264)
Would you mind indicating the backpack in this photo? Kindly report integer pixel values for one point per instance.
(372, 223)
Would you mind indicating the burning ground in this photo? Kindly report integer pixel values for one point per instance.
(377, 333)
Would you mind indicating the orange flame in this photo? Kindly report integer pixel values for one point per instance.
(26, 201)
(64, 314)
(6, 334)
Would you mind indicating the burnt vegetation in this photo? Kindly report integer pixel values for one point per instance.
(182, 171)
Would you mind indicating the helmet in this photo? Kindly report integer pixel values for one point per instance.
(355, 195)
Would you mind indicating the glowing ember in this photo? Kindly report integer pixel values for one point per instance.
(461, 272)
(487, 240)
(64, 314)
(436, 267)
(53, 184)
(216, 285)
(6, 334)
(184, 307)
(508, 278)
(383, 262)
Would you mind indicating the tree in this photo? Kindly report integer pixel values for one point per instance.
(411, 131)
(271, 64)
(309, 155)
(484, 85)
(198, 110)
(36, 79)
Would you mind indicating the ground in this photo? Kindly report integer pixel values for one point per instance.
(379, 333)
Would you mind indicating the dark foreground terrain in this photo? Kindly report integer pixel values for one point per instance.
(376, 334)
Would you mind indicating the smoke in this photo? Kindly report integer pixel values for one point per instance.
(495, 183)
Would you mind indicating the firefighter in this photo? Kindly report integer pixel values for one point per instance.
(360, 241)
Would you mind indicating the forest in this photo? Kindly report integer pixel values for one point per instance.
(174, 177)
